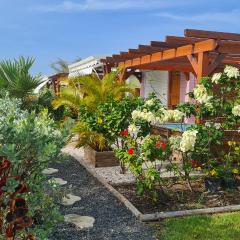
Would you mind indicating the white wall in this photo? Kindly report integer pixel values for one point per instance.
(157, 82)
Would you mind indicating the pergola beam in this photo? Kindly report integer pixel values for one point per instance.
(211, 34)
(208, 45)
(182, 40)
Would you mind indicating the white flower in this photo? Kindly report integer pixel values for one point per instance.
(209, 105)
(177, 115)
(135, 114)
(232, 72)
(144, 115)
(149, 117)
(208, 124)
(188, 140)
(217, 125)
(172, 115)
(132, 128)
(236, 111)
(149, 102)
(200, 94)
(216, 77)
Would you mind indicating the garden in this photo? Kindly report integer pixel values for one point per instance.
(193, 170)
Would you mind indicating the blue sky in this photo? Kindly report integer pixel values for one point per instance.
(51, 29)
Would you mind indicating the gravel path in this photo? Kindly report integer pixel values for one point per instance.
(112, 220)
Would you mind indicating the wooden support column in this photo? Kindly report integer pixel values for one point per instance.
(107, 68)
(200, 64)
(122, 74)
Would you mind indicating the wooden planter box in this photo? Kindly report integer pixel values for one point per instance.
(100, 159)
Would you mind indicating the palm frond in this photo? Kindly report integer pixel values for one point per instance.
(15, 77)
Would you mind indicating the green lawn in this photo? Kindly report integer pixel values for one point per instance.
(207, 227)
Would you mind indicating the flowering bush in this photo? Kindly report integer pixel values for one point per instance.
(111, 120)
(140, 155)
(144, 153)
(217, 102)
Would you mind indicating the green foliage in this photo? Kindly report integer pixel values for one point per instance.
(89, 137)
(140, 157)
(111, 117)
(100, 106)
(90, 91)
(31, 142)
(16, 79)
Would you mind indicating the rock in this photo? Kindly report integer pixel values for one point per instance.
(59, 181)
(49, 171)
(81, 222)
(70, 200)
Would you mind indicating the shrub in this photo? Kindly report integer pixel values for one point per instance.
(31, 142)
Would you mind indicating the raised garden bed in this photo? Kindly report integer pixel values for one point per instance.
(100, 159)
(180, 198)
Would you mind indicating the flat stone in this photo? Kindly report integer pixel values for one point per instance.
(70, 199)
(59, 181)
(81, 222)
(49, 171)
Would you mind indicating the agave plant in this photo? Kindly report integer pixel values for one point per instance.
(91, 91)
(16, 79)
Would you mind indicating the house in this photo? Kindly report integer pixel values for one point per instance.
(86, 66)
(172, 68)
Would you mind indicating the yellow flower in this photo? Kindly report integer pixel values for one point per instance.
(99, 120)
(213, 173)
(235, 171)
(198, 168)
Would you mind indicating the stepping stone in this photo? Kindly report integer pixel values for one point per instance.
(59, 181)
(70, 199)
(49, 171)
(81, 222)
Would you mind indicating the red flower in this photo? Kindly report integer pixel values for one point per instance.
(164, 145)
(161, 145)
(131, 151)
(124, 132)
(195, 163)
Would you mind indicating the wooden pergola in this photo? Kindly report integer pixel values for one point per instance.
(200, 52)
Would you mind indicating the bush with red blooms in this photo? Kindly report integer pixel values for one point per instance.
(13, 207)
(141, 155)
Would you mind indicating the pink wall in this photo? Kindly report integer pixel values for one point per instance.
(185, 88)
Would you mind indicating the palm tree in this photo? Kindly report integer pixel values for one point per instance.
(91, 91)
(16, 79)
(60, 66)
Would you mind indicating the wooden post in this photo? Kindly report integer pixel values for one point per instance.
(203, 63)
(122, 74)
(200, 64)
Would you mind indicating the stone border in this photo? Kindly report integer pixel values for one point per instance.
(148, 217)
(183, 213)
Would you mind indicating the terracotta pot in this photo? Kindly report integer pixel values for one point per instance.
(100, 159)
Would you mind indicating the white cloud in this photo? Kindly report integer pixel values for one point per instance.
(221, 17)
(84, 5)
